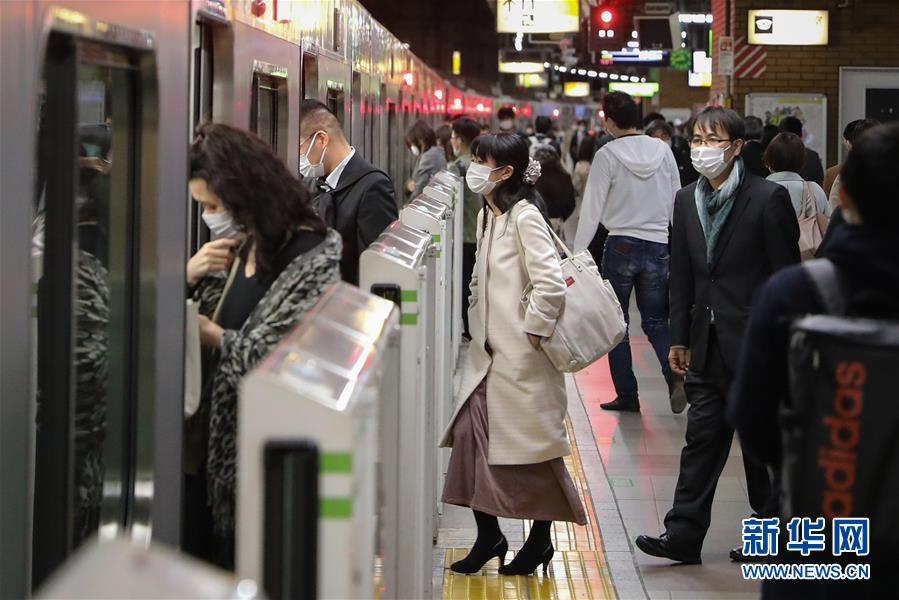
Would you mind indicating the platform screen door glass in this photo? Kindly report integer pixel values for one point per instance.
(85, 237)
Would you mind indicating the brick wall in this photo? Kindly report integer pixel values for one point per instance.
(865, 34)
(674, 91)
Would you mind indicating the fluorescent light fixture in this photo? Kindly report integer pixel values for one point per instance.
(613, 76)
(603, 75)
(546, 65)
(642, 90)
(576, 89)
(520, 67)
(591, 73)
(563, 69)
(635, 79)
(633, 44)
(582, 71)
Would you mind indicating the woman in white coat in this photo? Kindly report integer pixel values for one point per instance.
(508, 433)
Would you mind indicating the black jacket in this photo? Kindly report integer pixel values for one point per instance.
(812, 169)
(364, 206)
(752, 158)
(760, 236)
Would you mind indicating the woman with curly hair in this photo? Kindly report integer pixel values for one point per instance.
(508, 433)
(270, 262)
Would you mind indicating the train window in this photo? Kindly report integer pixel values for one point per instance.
(310, 76)
(86, 238)
(268, 109)
(334, 101)
(201, 94)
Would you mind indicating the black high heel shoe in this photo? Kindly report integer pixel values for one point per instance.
(477, 558)
(523, 564)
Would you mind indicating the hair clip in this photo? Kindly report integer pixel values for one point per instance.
(532, 172)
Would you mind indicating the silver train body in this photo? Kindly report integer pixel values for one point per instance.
(119, 87)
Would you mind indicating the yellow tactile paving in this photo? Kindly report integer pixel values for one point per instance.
(578, 569)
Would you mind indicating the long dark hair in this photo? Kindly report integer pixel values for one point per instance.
(506, 149)
(422, 135)
(255, 186)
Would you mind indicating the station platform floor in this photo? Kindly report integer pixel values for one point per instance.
(625, 467)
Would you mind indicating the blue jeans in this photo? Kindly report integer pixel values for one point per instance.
(634, 264)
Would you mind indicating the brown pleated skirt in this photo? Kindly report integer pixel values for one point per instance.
(540, 491)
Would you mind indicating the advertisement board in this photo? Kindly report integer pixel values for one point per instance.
(788, 27)
(811, 109)
(542, 16)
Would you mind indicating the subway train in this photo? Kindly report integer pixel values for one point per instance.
(99, 103)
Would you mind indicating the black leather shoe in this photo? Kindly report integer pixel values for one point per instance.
(480, 555)
(737, 555)
(663, 547)
(622, 404)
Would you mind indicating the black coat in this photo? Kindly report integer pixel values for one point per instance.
(365, 206)
(760, 236)
(812, 169)
(752, 158)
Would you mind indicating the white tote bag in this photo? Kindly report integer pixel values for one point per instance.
(591, 322)
(193, 369)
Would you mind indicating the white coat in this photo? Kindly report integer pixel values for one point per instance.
(526, 398)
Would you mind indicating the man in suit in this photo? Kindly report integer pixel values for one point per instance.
(731, 231)
(812, 169)
(354, 197)
(752, 149)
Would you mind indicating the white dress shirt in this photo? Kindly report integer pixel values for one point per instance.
(334, 177)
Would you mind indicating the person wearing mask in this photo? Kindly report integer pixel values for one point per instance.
(866, 257)
(555, 187)
(430, 157)
(444, 133)
(285, 259)
(660, 130)
(630, 190)
(784, 156)
(850, 134)
(508, 433)
(543, 136)
(578, 133)
(752, 149)
(731, 231)
(354, 197)
(811, 168)
(582, 164)
(506, 118)
(465, 131)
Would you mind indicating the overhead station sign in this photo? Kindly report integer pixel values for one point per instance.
(788, 27)
(537, 16)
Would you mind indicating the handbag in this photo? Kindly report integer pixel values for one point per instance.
(193, 356)
(591, 322)
(812, 225)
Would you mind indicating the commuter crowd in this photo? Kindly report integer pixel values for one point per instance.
(715, 226)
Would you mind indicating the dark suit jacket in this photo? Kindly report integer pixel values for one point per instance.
(760, 236)
(364, 208)
(812, 169)
(752, 158)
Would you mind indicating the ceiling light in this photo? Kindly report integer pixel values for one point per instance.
(591, 73)
(613, 76)
(634, 34)
(603, 75)
(546, 65)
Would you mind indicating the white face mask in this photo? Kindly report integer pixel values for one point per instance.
(507, 124)
(414, 150)
(709, 162)
(221, 224)
(307, 169)
(478, 178)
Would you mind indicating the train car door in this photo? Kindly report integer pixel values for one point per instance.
(357, 115)
(211, 42)
(96, 172)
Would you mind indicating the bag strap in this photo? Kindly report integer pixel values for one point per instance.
(829, 290)
(807, 202)
(231, 275)
(558, 243)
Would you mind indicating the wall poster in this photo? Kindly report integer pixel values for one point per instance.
(811, 109)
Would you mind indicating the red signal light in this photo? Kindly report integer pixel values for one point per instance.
(606, 16)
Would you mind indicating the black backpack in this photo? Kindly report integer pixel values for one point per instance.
(841, 430)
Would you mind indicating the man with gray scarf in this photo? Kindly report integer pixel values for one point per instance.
(731, 231)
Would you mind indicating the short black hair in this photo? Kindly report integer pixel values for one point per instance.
(543, 124)
(658, 126)
(319, 117)
(769, 132)
(870, 176)
(422, 135)
(786, 152)
(754, 128)
(791, 124)
(622, 109)
(858, 127)
(653, 116)
(714, 118)
(506, 149)
(505, 112)
(466, 128)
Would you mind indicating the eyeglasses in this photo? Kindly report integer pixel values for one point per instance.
(696, 142)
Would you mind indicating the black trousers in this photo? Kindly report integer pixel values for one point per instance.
(708, 442)
(468, 256)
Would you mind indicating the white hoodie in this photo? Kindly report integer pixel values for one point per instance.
(630, 190)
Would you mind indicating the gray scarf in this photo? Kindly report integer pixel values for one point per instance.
(713, 206)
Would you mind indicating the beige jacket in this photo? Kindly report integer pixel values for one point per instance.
(526, 399)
